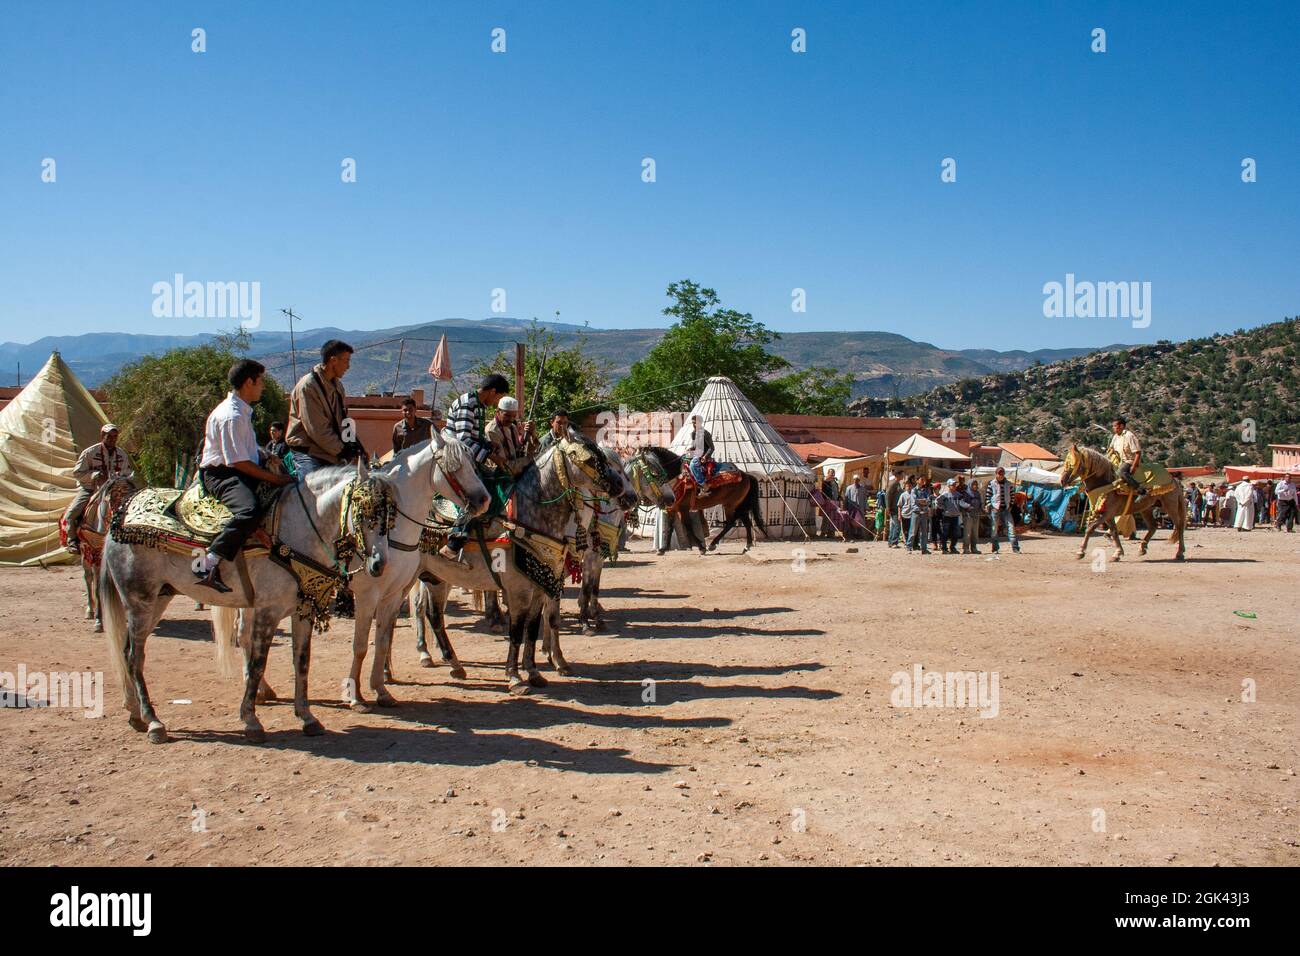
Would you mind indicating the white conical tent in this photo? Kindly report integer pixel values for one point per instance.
(742, 436)
(42, 432)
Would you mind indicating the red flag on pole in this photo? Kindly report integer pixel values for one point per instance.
(440, 367)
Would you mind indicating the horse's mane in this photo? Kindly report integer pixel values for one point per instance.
(1097, 461)
(670, 460)
(323, 479)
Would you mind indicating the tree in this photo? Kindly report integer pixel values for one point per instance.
(571, 379)
(706, 340)
(161, 402)
(814, 391)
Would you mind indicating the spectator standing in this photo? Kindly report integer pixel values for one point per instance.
(997, 498)
(919, 533)
(973, 507)
(1285, 490)
(894, 488)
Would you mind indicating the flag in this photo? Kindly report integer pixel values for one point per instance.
(440, 367)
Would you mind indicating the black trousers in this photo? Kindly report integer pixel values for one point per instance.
(237, 492)
(1286, 513)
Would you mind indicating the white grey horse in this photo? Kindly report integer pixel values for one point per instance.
(138, 581)
(566, 481)
(415, 475)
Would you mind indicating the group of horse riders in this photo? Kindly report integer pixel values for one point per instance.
(319, 435)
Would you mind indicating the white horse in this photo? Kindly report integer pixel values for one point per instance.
(566, 484)
(137, 581)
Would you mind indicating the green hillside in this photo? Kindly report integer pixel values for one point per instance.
(1192, 402)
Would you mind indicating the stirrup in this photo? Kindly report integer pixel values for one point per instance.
(212, 579)
(449, 554)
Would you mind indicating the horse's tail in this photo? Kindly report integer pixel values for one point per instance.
(754, 507)
(225, 631)
(113, 613)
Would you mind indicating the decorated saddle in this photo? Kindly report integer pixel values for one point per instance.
(180, 520)
(1152, 476)
(539, 557)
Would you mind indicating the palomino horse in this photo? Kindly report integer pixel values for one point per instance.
(138, 579)
(565, 481)
(1096, 471)
(107, 498)
(656, 475)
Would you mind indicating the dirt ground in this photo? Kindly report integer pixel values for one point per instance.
(1121, 734)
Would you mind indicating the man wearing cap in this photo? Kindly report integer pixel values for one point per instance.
(508, 442)
(96, 465)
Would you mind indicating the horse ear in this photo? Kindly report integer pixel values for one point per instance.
(362, 471)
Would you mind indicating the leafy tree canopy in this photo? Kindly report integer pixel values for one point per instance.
(161, 402)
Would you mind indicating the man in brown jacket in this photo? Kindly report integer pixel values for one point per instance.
(320, 433)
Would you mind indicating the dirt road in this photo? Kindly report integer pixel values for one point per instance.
(738, 711)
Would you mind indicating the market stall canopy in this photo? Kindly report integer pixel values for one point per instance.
(42, 433)
(918, 446)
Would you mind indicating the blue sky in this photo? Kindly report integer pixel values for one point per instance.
(775, 170)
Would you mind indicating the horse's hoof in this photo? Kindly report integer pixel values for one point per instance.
(313, 729)
(426, 660)
(1180, 557)
(137, 724)
(386, 701)
(537, 680)
(457, 672)
(589, 630)
(99, 627)
(1079, 555)
(564, 670)
(389, 678)
(254, 735)
(661, 553)
(519, 689)
(361, 707)
(90, 615)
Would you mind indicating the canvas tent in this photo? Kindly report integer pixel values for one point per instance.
(917, 446)
(742, 436)
(42, 432)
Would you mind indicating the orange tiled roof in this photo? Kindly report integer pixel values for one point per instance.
(1027, 449)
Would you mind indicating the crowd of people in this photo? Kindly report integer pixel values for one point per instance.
(1243, 504)
(919, 515)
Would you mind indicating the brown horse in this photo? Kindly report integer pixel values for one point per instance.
(1096, 471)
(657, 476)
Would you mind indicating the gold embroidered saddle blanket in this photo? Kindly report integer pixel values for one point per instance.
(178, 520)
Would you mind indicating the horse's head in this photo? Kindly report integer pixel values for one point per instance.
(1070, 470)
(627, 495)
(455, 477)
(365, 519)
(650, 479)
(592, 475)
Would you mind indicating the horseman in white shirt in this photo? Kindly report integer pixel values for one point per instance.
(231, 468)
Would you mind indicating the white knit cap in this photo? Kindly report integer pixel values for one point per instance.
(508, 404)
